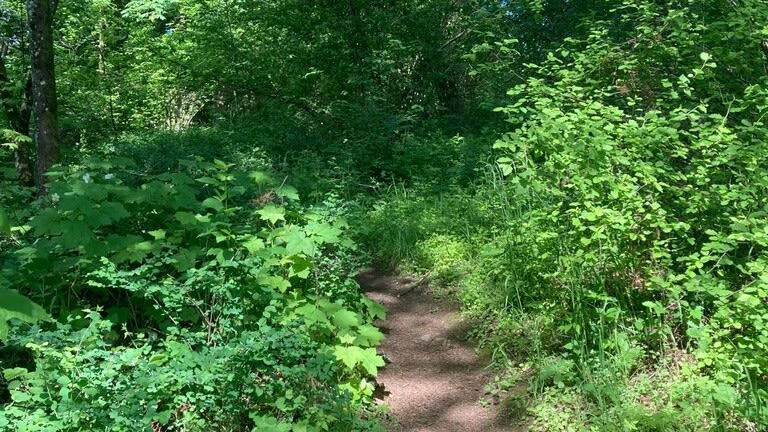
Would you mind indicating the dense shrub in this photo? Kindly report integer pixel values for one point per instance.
(227, 305)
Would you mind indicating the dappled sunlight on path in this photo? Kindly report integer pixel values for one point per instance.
(434, 380)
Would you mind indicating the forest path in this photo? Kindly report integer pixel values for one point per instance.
(434, 380)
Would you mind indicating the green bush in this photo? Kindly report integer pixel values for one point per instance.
(228, 306)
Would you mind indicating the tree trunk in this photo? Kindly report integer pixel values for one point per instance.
(40, 13)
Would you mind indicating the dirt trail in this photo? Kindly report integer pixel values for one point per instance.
(434, 379)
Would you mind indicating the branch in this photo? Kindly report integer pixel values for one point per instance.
(453, 39)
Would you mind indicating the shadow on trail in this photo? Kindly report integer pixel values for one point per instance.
(434, 378)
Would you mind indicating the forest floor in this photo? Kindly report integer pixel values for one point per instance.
(434, 379)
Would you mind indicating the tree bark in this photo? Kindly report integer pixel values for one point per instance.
(40, 13)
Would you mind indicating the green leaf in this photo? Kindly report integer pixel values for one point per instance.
(369, 336)
(323, 232)
(13, 373)
(371, 361)
(748, 299)
(208, 181)
(75, 233)
(349, 355)
(254, 244)
(344, 319)
(15, 306)
(312, 314)
(287, 192)
(271, 213)
(186, 218)
(157, 234)
(297, 242)
(5, 224)
(259, 177)
(279, 283)
(213, 203)
(375, 310)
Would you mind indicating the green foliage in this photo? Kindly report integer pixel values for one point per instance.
(212, 317)
(614, 241)
(618, 242)
(16, 306)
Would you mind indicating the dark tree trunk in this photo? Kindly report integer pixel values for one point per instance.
(40, 13)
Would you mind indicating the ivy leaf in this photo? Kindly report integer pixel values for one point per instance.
(15, 305)
(271, 213)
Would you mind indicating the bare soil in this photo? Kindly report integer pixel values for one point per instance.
(434, 379)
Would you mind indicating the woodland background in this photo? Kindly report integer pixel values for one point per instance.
(588, 178)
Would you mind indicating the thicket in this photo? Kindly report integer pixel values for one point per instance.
(587, 178)
(614, 253)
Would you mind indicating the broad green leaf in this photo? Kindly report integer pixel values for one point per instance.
(371, 361)
(259, 177)
(347, 339)
(312, 314)
(208, 181)
(271, 213)
(213, 203)
(279, 283)
(369, 336)
(300, 267)
(13, 373)
(297, 242)
(351, 356)
(375, 310)
(749, 300)
(14, 305)
(157, 234)
(344, 319)
(254, 244)
(323, 232)
(186, 218)
(287, 192)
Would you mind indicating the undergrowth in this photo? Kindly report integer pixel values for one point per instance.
(229, 305)
(616, 249)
